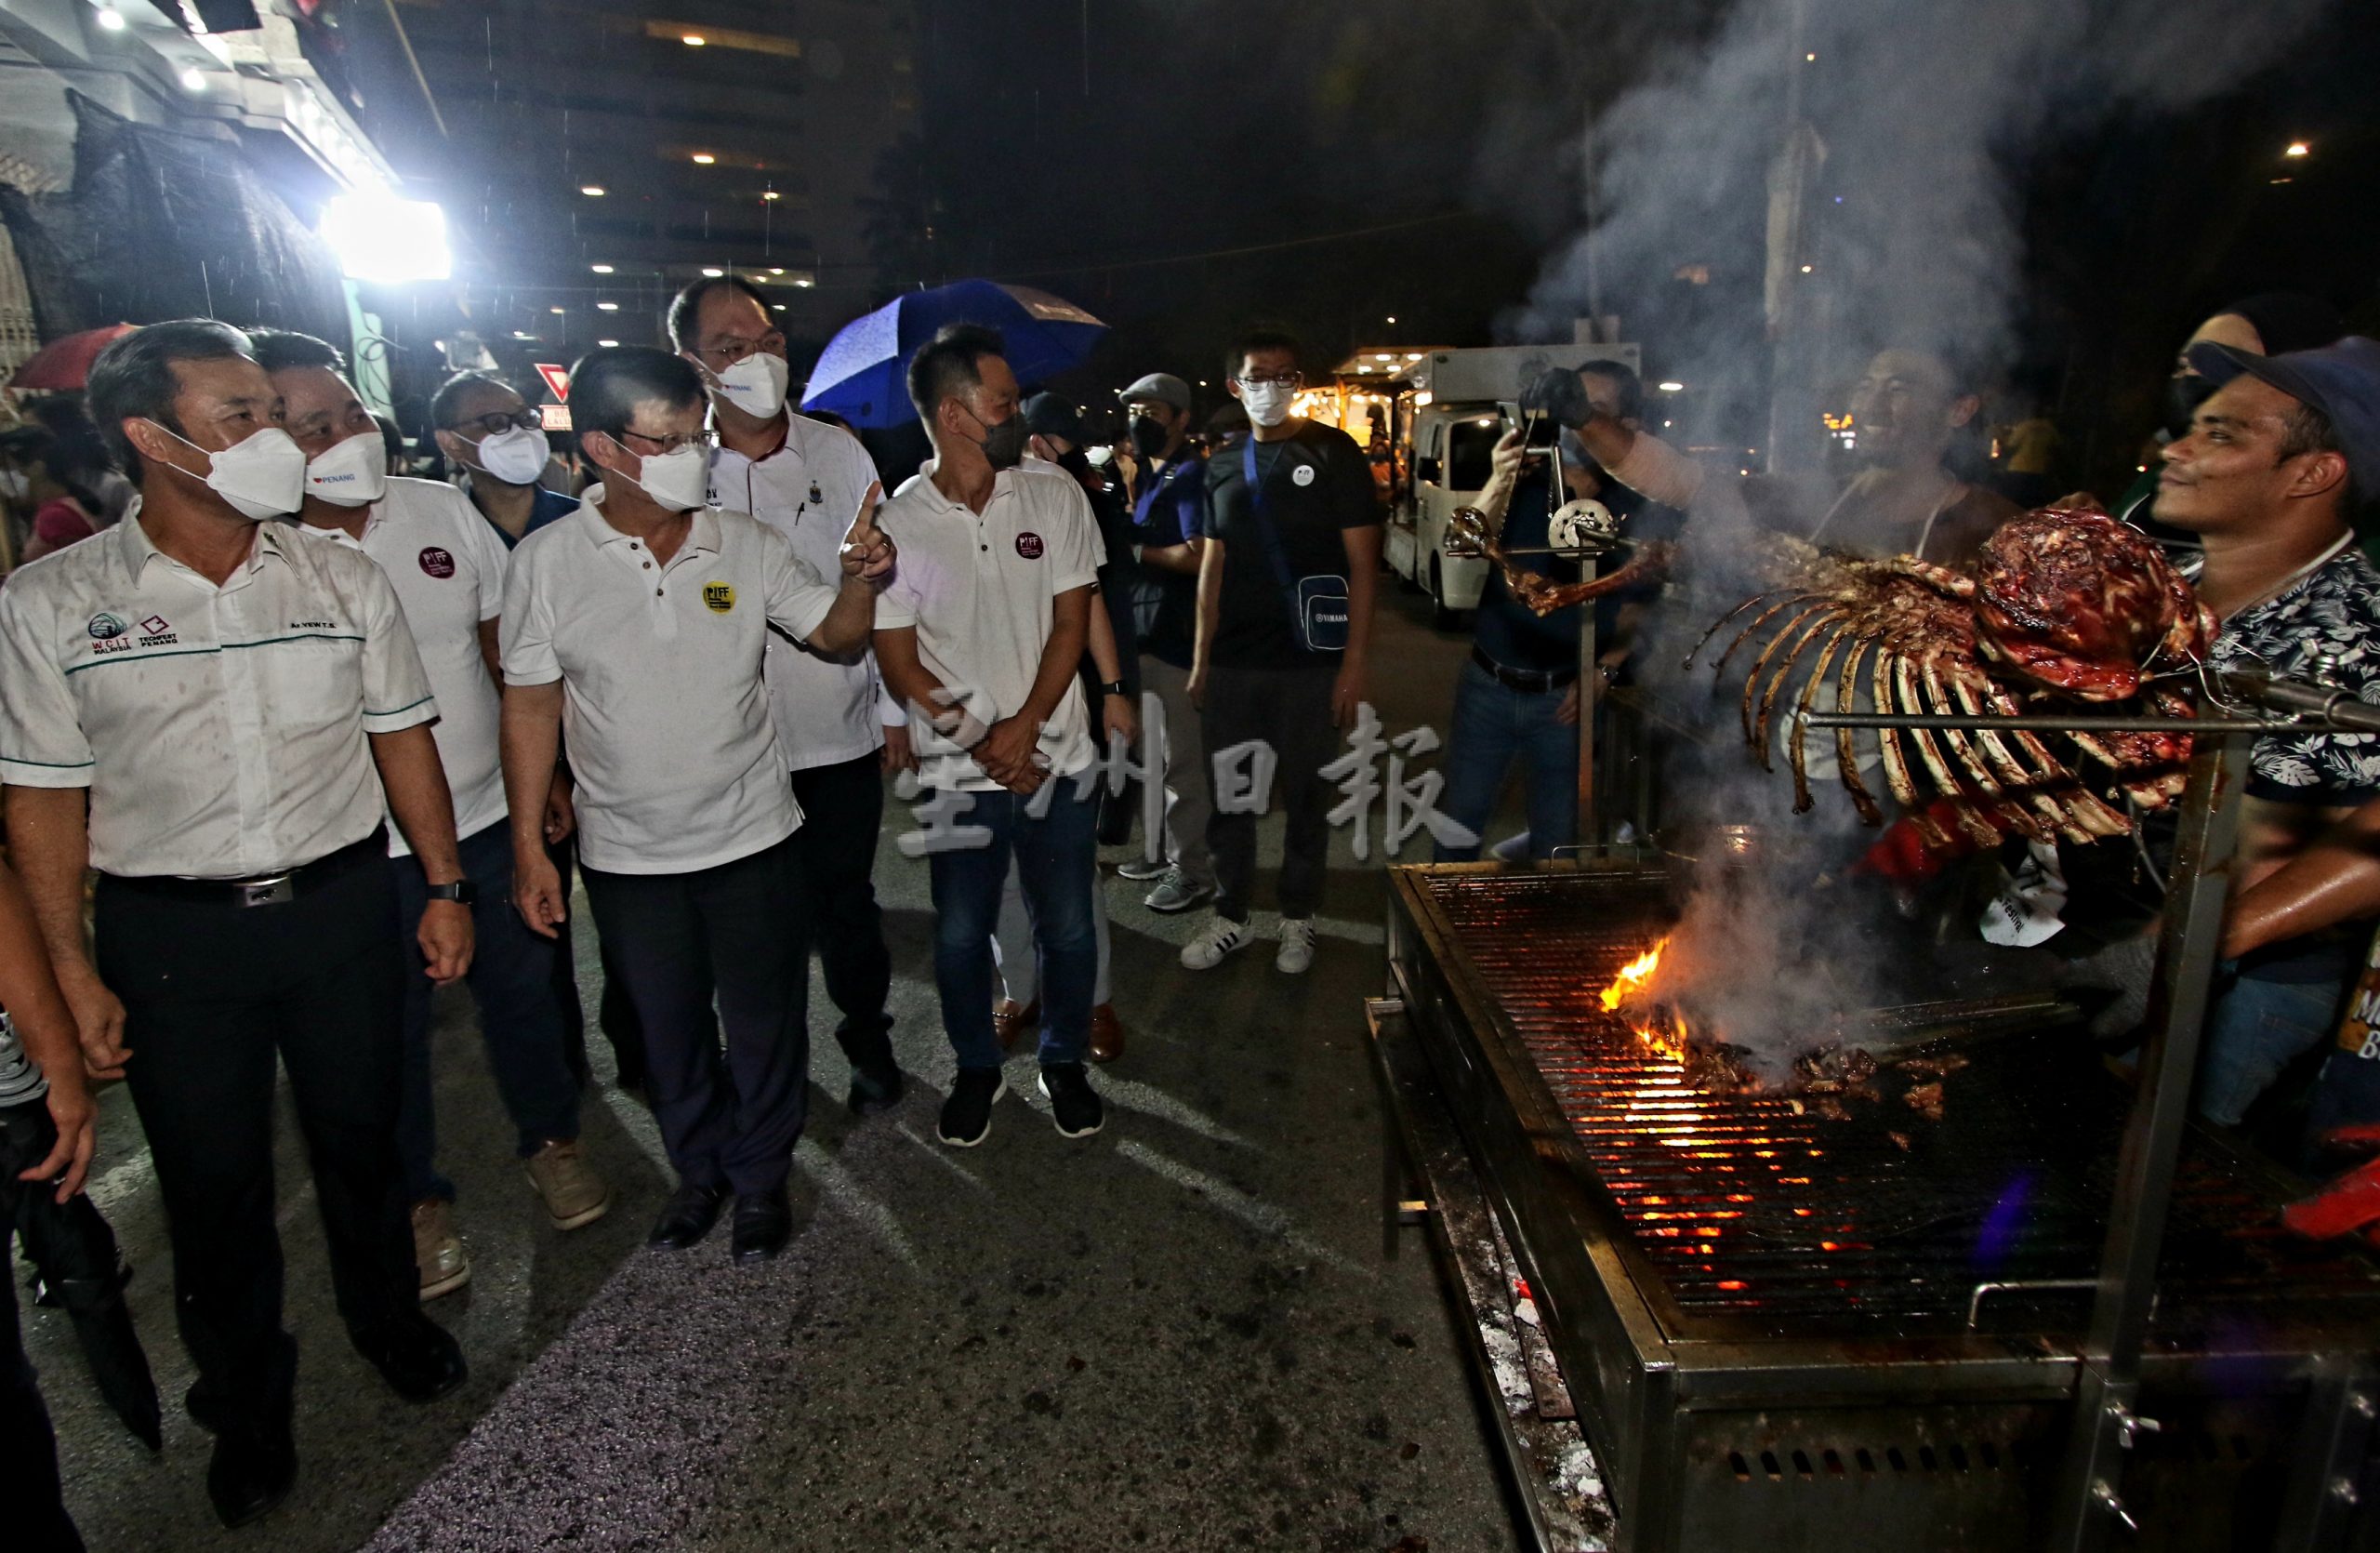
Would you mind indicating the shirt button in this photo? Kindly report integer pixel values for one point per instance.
(648, 565)
(656, 592)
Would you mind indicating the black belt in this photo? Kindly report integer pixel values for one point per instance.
(273, 889)
(1535, 680)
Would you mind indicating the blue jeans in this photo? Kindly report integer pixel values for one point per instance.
(1056, 858)
(1494, 725)
(512, 980)
(2253, 1030)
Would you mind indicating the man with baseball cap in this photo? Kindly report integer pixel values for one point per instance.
(2279, 462)
(1168, 495)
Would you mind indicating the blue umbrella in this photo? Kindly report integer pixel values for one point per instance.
(859, 376)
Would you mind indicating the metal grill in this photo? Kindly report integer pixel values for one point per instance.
(1749, 1206)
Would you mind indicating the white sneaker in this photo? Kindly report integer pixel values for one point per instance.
(1297, 946)
(1206, 950)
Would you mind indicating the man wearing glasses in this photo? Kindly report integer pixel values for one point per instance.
(639, 623)
(805, 479)
(1285, 582)
(497, 441)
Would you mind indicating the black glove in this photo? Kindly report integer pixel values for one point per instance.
(1558, 395)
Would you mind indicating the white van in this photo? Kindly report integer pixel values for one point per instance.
(1451, 435)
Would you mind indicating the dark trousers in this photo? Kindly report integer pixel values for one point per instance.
(211, 993)
(1057, 858)
(834, 859)
(512, 981)
(674, 939)
(1288, 710)
(616, 1013)
(36, 1515)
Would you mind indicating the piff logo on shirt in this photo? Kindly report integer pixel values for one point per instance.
(1028, 545)
(436, 562)
(718, 597)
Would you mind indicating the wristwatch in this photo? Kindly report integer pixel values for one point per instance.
(1114, 687)
(462, 892)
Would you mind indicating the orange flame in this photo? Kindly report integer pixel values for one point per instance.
(1630, 986)
(1633, 977)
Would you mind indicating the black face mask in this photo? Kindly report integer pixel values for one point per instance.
(1004, 445)
(1148, 437)
(2184, 392)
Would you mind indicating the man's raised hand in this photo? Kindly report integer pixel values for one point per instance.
(867, 550)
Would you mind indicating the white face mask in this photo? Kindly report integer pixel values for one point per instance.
(351, 473)
(755, 385)
(517, 456)
(677, 482)
(1266, 404)
(262, 477)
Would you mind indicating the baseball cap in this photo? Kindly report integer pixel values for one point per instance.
(1163, 387)
(1046, 415)
(2341, 380)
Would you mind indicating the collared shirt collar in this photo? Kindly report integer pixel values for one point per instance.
(703, 536)
(952, 504)
(137, 549)
(784, 437)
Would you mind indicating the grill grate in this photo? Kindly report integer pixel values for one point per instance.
(1746, 1208)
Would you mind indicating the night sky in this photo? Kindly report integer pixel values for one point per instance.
(1182, 167)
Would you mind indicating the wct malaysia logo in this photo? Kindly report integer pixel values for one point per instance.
(105, 627)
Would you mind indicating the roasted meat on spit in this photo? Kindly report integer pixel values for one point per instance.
(2063, 604)
(1467, 535)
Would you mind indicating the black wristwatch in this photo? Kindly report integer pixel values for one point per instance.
(462, 892)
(1114, 687)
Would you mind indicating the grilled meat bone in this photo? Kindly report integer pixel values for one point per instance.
(2063, 604)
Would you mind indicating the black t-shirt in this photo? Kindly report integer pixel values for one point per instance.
(1308, 511)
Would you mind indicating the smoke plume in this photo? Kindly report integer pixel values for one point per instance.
(1854, 168)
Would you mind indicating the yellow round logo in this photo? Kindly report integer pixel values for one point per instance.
(718, 597)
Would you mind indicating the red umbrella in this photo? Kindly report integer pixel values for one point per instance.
(66, 363)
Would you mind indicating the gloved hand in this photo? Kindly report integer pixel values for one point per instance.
(1558, 395)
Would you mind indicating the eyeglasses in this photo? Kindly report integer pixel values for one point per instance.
(728, 352)
(1260, 379)
(497, 422)
(705, 438)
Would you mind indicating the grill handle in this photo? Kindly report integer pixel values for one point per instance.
(1985, 1291)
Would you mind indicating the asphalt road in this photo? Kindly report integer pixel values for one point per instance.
(1179, 1335)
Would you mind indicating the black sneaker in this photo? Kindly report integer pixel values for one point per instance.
(875, 1089)
(967, 1115)
(1074, 1106)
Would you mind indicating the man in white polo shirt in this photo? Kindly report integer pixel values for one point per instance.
(448, 567)
(208, 709)
(980, 635)
(640, 623)
(804, 480)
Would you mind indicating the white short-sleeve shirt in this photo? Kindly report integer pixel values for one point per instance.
(663, 702)
(979, 588)
(809, 490)
(220, 730)
(447, 567)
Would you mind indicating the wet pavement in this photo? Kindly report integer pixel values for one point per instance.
(1180, 1333)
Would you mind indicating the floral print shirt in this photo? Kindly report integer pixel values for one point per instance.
(2333, 610)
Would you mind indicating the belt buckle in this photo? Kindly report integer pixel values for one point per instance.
(279, 890)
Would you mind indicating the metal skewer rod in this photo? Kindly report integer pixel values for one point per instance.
(2051, 724)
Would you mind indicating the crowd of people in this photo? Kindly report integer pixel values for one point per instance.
(402, 714)
(332, 736)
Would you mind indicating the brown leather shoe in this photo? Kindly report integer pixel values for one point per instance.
(1011, 1019)
(1106, 1034)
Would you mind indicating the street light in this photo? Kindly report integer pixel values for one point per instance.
(703, 159)
(608, 344)
(693, 40)
(600, 269)
(607, 307)
(2298, 148)
(711, 273)
(771, 194)
(380, 237)
(1671, 388)
(593, 191)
